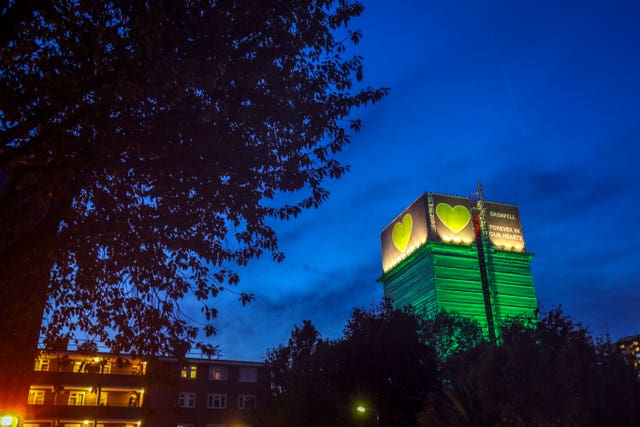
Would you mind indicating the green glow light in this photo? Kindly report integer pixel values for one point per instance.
(446, 277)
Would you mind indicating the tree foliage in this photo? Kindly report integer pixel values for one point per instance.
(550, 374)
(303, 378)
(143, 149)
(384, 355)
(380, 362)
(449, 333)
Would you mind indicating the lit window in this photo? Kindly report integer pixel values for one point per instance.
(217, 401)
(246, 401)
(134, 399)
(189, 372)
(76, 398)
(248, 375)
(218, 373)
(36, 397)
(184, 425)
(42, 364)
(106, 368)
(139, 369)
(103, 398)
(187, 400)
(77, 365)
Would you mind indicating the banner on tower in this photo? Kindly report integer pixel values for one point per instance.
(406, 233)
(503, 226)
(453, 219)
(448, 219)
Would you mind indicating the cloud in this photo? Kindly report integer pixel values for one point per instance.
(603, 307)
(327, 300)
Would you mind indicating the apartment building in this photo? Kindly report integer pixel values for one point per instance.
(209, 393)
(629, 347)
(75, 390)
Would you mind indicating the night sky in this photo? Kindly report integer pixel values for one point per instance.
(540, 102)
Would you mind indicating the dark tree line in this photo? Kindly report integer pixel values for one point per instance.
(380, 363)
(407, 371)
(552, 373)
(143, 147)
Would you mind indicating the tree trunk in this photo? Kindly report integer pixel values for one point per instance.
(25, 268)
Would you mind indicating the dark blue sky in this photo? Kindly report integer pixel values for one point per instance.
(539, 101)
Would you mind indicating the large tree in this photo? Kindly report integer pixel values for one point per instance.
(303, 376)
(550, 374)
(143, 149)
(450, 333)
(381, 363)
(385, 363)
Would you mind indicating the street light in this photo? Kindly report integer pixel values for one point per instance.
(8, 420)
(361, 409)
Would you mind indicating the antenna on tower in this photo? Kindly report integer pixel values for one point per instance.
(486, 274)
(480, 193)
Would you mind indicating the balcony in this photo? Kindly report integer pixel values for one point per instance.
(79, 371)
(102, 365)
(72, 422)
(84, 402)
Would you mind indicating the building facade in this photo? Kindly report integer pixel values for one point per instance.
(455, 254)
(75, 390)
(629, 347)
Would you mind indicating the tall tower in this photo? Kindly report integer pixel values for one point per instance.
(449, 253)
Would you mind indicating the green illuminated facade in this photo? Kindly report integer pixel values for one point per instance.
(488, 285)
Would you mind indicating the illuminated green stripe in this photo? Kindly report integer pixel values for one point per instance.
(515, 294)
(446, 277)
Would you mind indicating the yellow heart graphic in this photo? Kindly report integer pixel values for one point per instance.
(455, 218)
(401, 233)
